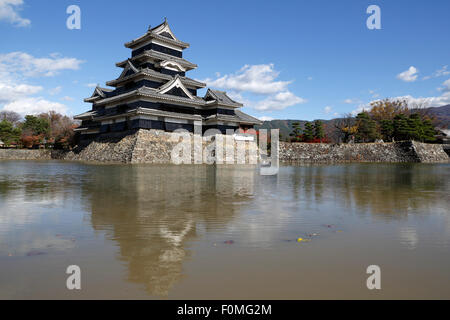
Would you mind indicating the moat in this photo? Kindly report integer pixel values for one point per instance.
(188, 232)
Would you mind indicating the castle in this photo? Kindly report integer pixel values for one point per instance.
(153, 92)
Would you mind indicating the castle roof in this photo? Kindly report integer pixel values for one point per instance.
(159, 57)
(162, 33)
(221, 98)
(152, 74)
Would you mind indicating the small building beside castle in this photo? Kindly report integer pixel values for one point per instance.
(153, 92)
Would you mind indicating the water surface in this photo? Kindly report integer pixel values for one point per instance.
(188, 232)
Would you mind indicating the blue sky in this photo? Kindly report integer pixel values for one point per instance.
(283, 59)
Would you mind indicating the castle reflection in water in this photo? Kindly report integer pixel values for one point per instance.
(153, 213)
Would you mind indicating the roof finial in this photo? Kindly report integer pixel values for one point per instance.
(149, 27)
(165, 20)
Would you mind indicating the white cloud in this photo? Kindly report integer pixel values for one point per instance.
(415, 102)
(438, 73)
(327, 109)
(259, 79)
(446, 86)
(374, 93)
(11, 91)
(67, 98)
(428, 102)
(9, 11)
(91, 85)
(360, 108)
(17, 95)
(279, 101)
(265, 118)
(442, 72)
(26, 65)
(352, 101)
(55, 90)
(409, 75)
(34, 106)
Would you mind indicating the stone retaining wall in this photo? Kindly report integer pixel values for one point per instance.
(154, 146)
(15, 154)
(364, 152)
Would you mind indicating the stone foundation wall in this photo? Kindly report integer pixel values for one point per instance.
(14, 154)
(364, 152)
(156, 146)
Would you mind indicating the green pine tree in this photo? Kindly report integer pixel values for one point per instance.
(429, 132)
(296, 133)
(367, 128)
(387, 130)
(308, 134)
(318, 130)
(8, 133)
(402, 130)
(36, 125)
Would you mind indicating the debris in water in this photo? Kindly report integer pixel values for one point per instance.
(311, 235)
(35, 253)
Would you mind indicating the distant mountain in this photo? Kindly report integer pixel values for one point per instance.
(442, 115)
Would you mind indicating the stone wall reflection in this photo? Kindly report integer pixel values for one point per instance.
(154, 213)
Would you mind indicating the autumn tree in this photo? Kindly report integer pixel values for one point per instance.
(387, 109)
(34, 131)
(345, 128)
(61, 132)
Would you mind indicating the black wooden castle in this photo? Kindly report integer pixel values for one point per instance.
(153, 92)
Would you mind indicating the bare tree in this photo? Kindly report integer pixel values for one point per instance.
(10, 116)
(344, 128)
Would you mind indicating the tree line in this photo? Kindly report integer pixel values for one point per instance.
(49, 129)
(388, 120)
